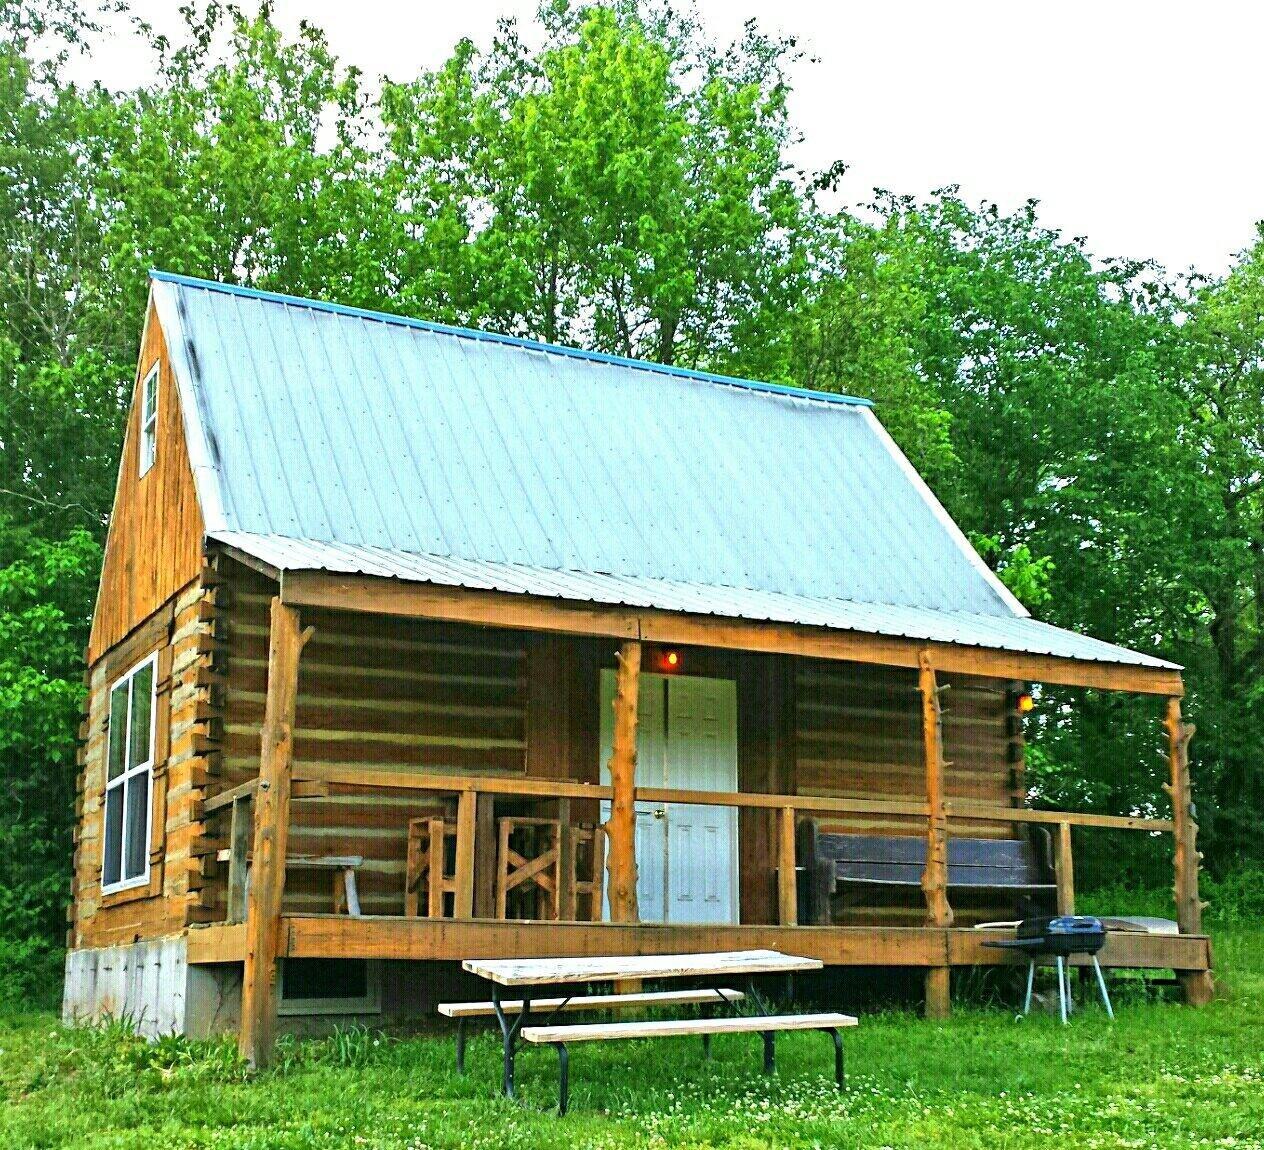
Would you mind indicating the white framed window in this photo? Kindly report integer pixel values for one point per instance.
(149, 420)
(129, 779)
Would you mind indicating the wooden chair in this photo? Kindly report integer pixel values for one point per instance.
(427, 862)
(539, 858)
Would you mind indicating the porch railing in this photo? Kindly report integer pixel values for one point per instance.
(312, 781)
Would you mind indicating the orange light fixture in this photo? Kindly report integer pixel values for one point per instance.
(1025, 703)
(669, 661)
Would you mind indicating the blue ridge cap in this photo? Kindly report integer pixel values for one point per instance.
(511, 341)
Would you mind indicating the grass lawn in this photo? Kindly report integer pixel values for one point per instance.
(1162, 1076)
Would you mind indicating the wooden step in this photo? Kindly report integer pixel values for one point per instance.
(595, 1002)
(754, 1024)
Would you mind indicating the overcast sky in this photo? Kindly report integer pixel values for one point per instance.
(1136, 125)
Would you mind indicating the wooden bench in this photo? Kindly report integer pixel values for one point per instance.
(835, 861)
(346, 895)
(550, 1006)
(768, 1026)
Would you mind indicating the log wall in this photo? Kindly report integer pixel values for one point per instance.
(376, 693)
(858, 734)
(181, 633)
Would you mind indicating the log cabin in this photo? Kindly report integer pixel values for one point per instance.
(416, 644)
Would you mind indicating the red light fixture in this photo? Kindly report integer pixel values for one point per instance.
(669, 661)
(1025, 703)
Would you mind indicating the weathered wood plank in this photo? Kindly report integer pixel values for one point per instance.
(679, 1027)
(324, 936)
(585, 1002)
(542, 971)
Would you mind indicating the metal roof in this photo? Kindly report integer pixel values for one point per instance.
(958, 627)
(354, 441)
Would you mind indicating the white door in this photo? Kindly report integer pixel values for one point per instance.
(686, 739)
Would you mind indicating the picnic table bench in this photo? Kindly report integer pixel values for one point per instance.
(527, 974)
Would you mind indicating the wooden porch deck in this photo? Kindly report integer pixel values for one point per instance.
(341, 936)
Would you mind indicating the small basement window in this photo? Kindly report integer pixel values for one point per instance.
(129, 779)
(149, 420)
(330, 986)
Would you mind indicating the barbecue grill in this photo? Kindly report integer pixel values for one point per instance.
(1058, 937)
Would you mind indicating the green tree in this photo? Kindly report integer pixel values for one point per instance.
(624, 188)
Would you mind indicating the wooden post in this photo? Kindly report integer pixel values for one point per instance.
(621, 826)
(787, 884)
(935, 874)
(485, 857)
(564, 896)
(1197, 985)
(241, 829)
(463, 899)
(271, 831)
(1064, 870)
(435, 876)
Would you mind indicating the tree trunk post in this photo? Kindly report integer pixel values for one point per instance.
(621, 825)
(935, 873)
(271, 831)
(1196, 985)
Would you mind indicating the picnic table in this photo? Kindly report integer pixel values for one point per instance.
(528, 975)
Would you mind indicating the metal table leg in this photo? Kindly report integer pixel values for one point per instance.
(1031, 981)
(460, 1045)
(509, 1036)
(564, 1081)
(839, 1078)
(770, 1051)
(1062, 990)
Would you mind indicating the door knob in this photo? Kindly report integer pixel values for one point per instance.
(660, 813)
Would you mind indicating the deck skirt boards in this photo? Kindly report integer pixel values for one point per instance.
(317, 936)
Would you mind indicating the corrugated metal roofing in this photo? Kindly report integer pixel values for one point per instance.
(471, 459)
(959, 627)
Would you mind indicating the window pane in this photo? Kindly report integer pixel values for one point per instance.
(142, 702)
(137, 824)
(151, 395)
(113, 836)
(118, 729)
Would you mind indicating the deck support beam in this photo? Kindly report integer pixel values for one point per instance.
(271, 831)
(1197, 986)
(621, 826)
(935, 874)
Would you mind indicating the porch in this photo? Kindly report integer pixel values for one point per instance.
(347, 771)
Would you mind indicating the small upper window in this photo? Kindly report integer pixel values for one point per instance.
(129, 771)
(149, 420)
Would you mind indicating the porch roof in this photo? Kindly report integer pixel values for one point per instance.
(281, 554)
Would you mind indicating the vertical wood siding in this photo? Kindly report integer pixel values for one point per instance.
(154, 546)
